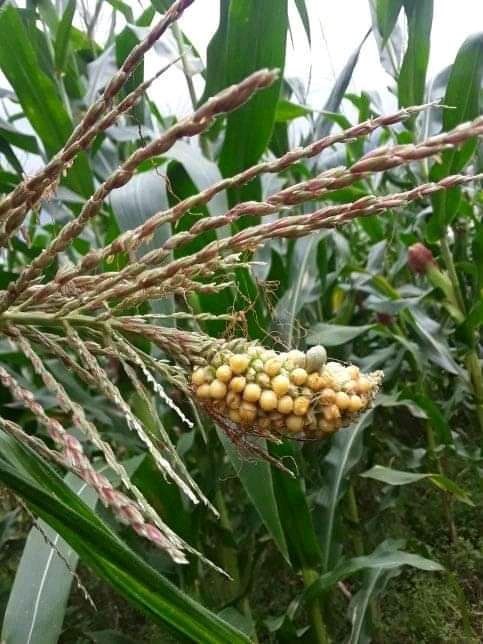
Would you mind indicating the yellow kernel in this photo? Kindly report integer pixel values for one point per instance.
(294, 424)
(248, 412)
(239, 362)
(285, 405)
(268, 400)
(209, 374)
(350, 387)
(217, 389)
(331, 412)
(252, 392)
(233, 400)
(280, 385)
(203, 391)
(263, 379)
(342, 400)
(301, 406)
(238, 384)
(198, 377)
(353, 372)
(363, 386)
(298, 376)
(224, 373)
(327, 396)
(315, 382)
(272, 367)
(268, 355)
(234, 415)
(355, 403)
(251, 375)
(297, 357)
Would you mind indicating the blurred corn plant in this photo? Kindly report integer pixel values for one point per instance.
(148, 257)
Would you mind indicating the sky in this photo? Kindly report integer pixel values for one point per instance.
(337, 26)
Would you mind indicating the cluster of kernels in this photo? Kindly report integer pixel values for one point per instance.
(293, 393)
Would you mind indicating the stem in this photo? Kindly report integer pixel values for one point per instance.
(318, 626)
(354, 516)
(474, 369)
(434, 457)
(472, 361)
(448, 260)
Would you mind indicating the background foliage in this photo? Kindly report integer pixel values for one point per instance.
(378, 537)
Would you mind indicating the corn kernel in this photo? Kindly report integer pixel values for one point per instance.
(224, 373)
(263, 379)
(234, 415)
(331, 412)
(353, 372)
(355, 404)
(297, 357)
(298, 376)
(217, 389)
(203, 391)
(209, 374)
(316, 382)
(272, 367)
(238, 384)
(363, 386)
(285, 405)
(268, 400)
(327, 396)
(294, 424)
(233, 400)
(301, 406)
(252, 392)
(239, 363)
(315, 358)
(198, 377)
(247, 411)
(342, 400)
(280, 385)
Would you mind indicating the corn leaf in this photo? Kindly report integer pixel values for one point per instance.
(463, 94)
(412, 77)
(37, 94)
(106, 554)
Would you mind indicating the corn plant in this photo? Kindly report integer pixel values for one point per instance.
(152, 354)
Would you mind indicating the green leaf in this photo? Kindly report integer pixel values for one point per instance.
(62, 36)
(294, 510)
(106, 554)
(18, 139)
(302, 273)
(37, 602)
(412, 77)
(333, 335)
(344, 454)
(398, 477)
(304, 17)
(387, 12)
(37, 94)
(383, 558)
(255, 38)
(463, 96)
(256, 478)
(287, 111)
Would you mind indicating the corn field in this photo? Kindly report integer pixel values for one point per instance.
(241, 371)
